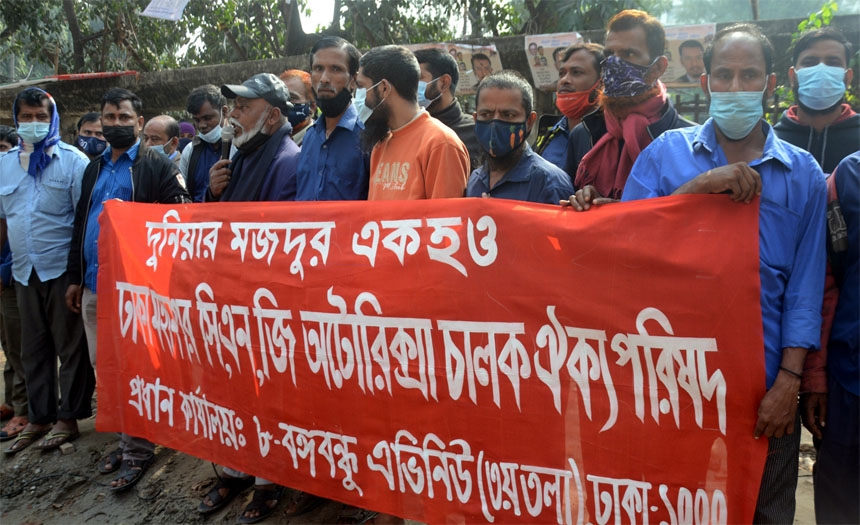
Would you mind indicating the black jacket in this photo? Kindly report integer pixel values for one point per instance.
(153, 179)
(586, 134)
(829, 146)
(464, 126)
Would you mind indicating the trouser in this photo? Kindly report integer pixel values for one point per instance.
(10, 338)
(837, 471)
(48, 331)
(776, 502)
(233, 473)
(133, 448)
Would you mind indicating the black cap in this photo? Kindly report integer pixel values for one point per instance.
(262, 85)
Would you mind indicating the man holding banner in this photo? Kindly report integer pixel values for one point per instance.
(735, 152)
(128, 171)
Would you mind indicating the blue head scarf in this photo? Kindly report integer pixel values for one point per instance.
(39, 158)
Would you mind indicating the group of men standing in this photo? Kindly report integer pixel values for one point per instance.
(620, 139)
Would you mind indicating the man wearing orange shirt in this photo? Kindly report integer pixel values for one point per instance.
(413, 156)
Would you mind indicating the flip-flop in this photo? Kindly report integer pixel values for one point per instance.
(301, 502)
(24, 440)
(59, 437)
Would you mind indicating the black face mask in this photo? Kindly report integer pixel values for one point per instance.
(119, 137)
(333, 107)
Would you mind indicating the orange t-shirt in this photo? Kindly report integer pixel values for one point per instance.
(422, 160)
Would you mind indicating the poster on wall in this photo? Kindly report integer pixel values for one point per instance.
(474, 63)
(685, 47)
(543, 53)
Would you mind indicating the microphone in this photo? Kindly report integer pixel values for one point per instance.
(227, 134)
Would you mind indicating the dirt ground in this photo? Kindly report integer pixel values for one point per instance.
(52, 488)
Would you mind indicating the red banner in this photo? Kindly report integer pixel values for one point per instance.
(463, 360)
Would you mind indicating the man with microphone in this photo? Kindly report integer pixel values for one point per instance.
(264, 167)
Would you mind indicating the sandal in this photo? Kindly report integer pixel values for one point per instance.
(233, 485)
(6, 411)
(131, 472)
(260, 503)
(24, 440)
(111, 463)
(14, 427)
(301, 502)
(55, 439)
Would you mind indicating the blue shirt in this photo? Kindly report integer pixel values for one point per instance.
(333, 168)
(114, 182)
(556, 150)
(791, 225)
(40, 211)
(532, 179)
(843, 348)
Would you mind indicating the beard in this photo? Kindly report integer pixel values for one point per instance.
(247, 134)
(376, 128)
(621, 106)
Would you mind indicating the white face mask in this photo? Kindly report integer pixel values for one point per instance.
(360, 102)
(33, 132)
(212, 136)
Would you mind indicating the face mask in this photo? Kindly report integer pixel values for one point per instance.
(33, 132)
(575, 105)
(623, 79)
(422, 93)
(299, 114)
(119, 137)
(736, 112)
(212, 136)
(820, 86)
(160, 149)
(498, 137)
(335, 106)
(91, 145)
(365, 112)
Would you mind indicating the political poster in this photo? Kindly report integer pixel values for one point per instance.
(543, 53)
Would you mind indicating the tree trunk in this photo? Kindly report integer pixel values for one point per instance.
(77, 40)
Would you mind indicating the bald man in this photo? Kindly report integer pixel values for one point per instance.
(161, 134)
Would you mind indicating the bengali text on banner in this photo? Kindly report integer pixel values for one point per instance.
(462, 360)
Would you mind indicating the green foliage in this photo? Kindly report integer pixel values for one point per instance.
(816, 20)
(717, 11)
(109, 34)
(548, 16)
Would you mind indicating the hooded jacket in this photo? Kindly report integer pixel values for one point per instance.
(830, 145)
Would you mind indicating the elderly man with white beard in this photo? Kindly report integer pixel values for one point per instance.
(264, 168)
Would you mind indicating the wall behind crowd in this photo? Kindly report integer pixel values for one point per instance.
(164, 91)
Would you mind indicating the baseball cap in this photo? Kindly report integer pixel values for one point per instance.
(262, 85)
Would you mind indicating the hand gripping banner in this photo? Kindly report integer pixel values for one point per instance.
(462, 360)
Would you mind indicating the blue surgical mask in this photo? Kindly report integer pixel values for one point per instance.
(736, 113)
(498, 137)
(299, 114)
(91, 145)
(820, 86)
(33, 132)
(160, 149)
(359, 100)
(422, 93)
(212, 136)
